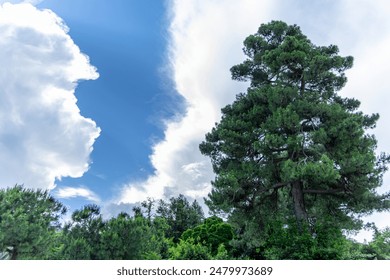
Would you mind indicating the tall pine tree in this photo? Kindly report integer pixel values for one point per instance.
(292, 149)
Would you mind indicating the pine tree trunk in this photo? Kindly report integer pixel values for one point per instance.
(14, 253)
(299, 204)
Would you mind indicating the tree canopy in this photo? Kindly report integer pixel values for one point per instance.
(87, 236)
(28, 222)
(291, 147)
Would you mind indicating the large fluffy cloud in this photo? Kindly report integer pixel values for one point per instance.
(43, 136)
(206, 40)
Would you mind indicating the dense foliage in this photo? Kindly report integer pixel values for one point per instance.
(146, 234)
(28, 222)
(291, 156)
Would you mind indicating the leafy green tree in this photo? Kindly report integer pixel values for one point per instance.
(286, 241)
(189, 250)
(212, 233)
(379, 247)
(29, 220)
(291, 147)
(180, 215)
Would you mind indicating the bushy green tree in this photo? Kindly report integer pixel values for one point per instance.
(379, 247)
(125, 238)
(212, 233)
(29, 220)
(286, 241)
(189, 250)
(82, 235)
(291, 147)
(158, 244)
(180, 215)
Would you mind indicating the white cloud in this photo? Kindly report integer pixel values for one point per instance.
(71, 192)
(43, 137)
(206, 40)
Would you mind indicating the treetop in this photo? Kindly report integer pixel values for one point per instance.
(280, 54)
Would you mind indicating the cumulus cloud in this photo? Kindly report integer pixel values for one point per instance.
(71, 192)
(43, 136)
(205, 41)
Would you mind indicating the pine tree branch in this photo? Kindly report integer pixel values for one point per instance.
(332, 191)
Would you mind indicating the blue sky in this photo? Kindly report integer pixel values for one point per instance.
(114, 97)
(126, 41)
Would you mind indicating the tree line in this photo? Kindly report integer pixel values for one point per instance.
(30, 228)
(295, 170)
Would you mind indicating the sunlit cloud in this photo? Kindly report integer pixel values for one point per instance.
(43, 136)
(205, 41)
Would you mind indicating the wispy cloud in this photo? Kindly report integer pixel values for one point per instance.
(43, 136)
(71, 192)
(205, 41)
